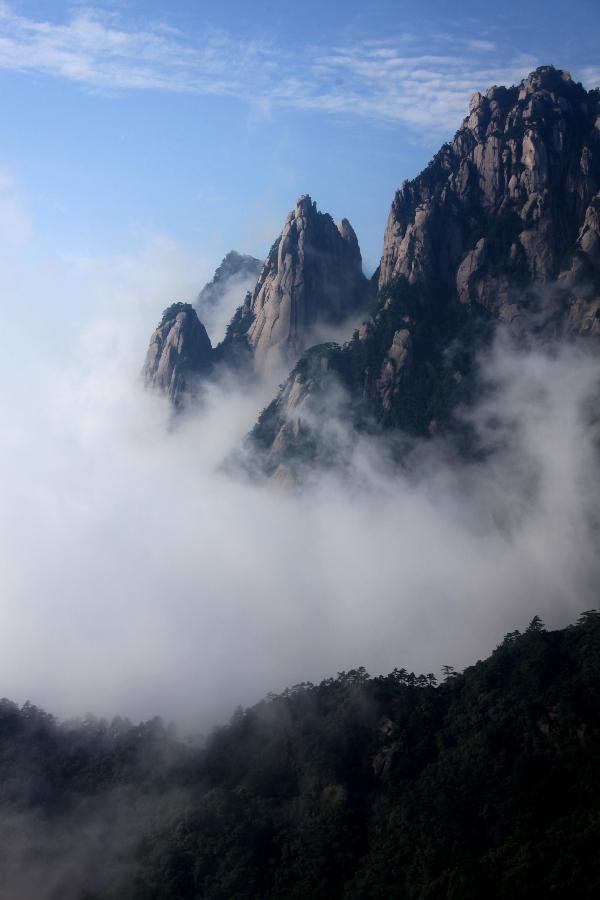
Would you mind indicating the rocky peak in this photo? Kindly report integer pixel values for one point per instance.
(304, 207)
(545, 78)
(349, 235)
(179, 352)
(312, 275)
(503, 226)
(501, 207)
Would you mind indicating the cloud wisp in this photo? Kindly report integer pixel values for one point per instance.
(389, 81)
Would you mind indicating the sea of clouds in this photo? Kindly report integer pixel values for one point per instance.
(138, 577)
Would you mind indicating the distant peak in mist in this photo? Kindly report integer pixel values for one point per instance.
(311, 278)
(235, 268)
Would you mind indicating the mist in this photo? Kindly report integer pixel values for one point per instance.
(139, 578)
(94, 844)
(216, 316)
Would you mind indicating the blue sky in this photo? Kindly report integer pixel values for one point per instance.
(202, 121)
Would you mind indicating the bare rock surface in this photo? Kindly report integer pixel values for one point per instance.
(179, 354)
(312, 276)
(509, 202)
(502, 227)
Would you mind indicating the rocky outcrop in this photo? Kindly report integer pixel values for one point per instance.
(311, 277)
(179, 355)
(504, 206)
(503, 226)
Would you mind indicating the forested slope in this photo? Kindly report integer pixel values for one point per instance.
(487, 784)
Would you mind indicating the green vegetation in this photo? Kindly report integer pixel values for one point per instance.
(308, 447)
(171, 311)
(234, 349)
(487, 785)
(240, 322)
(445, 339)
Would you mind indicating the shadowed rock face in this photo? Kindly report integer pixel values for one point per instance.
(502, 226)
(179, 354)
(312, 276)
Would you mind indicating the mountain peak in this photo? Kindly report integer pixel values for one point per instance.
(304, 211)
(179, 351)
(171, 313)
(234, 257)
(546, 78)
(526, 153)
(313, 275)
(502, 226)
(304, 205)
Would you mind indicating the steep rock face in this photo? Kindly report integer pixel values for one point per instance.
(502, 226)
(284, 435)
(179, 353)
(312, 276)
(505, 205)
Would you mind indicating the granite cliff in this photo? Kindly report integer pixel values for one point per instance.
(510, 204)
(179, 355)
(312, 276)
(501, 227)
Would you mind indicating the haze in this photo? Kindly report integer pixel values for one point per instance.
(139, 579)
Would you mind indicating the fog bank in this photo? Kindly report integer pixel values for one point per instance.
(137, 578)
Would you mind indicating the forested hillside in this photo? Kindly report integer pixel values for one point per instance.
(485, 785)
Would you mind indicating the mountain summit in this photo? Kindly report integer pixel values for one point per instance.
(511, 203)
(501, 227)
(312, 277)
(179, 354)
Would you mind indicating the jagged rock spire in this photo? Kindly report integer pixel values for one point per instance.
(312, 275)
(178, 355)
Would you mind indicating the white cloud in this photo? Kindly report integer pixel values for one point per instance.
(591, 76)
(481, 45)
(134, 575)
(369, 78)
(137, 577)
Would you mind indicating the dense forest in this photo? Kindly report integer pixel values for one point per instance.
(484, 785)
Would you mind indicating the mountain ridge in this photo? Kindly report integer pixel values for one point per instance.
(311, 278)
(501, 228)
